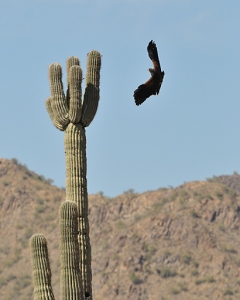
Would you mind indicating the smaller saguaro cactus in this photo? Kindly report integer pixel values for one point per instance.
(70, 275)
(41, 268)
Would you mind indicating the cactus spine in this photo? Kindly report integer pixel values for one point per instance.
(71, 114)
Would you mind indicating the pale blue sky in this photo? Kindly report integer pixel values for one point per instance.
(189, 132)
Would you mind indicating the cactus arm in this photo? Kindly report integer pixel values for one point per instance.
(58, 104)
(41, 268)
(70, 277)
(75, 91)
(71, 61)
(51, 115)
(92, 90)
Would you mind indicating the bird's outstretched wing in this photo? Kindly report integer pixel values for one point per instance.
(152, 86)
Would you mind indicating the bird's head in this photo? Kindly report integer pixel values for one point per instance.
(152, 71)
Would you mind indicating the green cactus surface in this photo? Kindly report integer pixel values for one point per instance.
(76, 190)
(91, 96)
(67, 108)
(70, 277)
(58, 99)
(41, 268)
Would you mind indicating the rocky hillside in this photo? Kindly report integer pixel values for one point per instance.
(180, 243)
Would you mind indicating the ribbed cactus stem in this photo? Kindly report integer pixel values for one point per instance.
(70, 277)
(75, 91)
(71, 61)
(75, 155)
(58, 104)
(41, 268)
(92, 90)
(51, 114)
(76, 190)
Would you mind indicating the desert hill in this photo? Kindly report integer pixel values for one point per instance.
(172, 243)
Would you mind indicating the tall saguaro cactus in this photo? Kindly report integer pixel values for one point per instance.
(71, 113)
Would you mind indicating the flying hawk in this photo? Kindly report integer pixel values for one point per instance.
(152, 86)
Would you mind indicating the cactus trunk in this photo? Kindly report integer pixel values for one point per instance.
(70, 277)
(76, 190)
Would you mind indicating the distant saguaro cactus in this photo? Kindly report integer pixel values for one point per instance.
(71, 113)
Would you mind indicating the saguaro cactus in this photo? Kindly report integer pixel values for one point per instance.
(41, 268)
(71, 113)
(70, 276)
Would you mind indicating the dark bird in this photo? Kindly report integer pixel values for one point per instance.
(152, 86)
